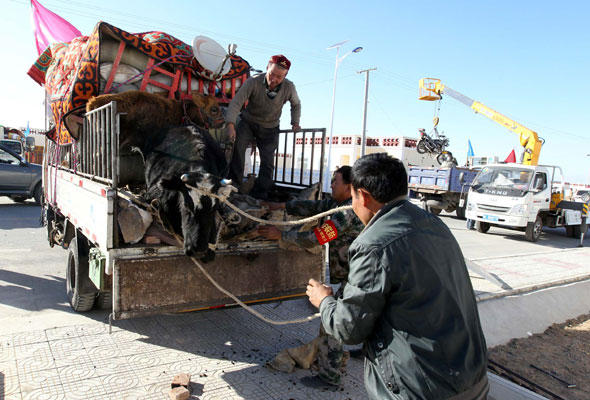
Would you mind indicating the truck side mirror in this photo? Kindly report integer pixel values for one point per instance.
(462, 178)
(30, 143)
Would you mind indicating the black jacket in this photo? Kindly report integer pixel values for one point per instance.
(410, 300)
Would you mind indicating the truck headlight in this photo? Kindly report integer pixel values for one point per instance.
(519, 209)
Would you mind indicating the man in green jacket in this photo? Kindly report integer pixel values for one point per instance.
(263, 96)
(408, 298)
(340, 230)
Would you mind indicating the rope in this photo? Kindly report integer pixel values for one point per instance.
(241, 303)
(247, 307)
(223, 198)
(226, 192)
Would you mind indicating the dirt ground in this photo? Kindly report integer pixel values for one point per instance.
(563, 350)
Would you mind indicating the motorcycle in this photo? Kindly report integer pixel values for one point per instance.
(435, 145)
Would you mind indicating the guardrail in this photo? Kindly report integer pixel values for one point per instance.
(298, 161)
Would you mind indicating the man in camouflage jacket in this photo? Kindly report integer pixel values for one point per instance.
(340, 230)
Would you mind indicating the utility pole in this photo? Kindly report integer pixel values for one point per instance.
(364, 136)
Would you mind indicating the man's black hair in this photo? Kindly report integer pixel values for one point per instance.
(345, 171)
(383, 176)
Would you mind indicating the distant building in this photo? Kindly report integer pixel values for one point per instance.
(346, 149)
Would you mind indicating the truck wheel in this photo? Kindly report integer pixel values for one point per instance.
(460, 211)
(104, 301)
(534, 229)
(482, 227)
(585, 197)
(38, 194)
(18, 199)
(78, 284)
(570, 231)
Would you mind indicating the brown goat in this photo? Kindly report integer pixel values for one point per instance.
(146, 113)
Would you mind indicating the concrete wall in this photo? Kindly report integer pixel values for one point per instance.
(515, 316)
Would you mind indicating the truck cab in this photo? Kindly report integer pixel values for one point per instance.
(510, 195)
(523, 197)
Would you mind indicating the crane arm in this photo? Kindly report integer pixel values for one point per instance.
(527, 137)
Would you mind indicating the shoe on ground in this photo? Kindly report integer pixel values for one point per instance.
(315, 382)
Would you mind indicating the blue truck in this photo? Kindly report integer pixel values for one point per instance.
(443, 188)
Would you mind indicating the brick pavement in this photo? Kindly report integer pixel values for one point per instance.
(223, 350)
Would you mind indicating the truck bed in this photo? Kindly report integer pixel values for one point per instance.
(150, 285)
(84, 183)
(438, 180)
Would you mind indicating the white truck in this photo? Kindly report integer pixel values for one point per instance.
(524, 197)
(85, 182)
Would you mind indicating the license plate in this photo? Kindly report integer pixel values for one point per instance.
(490, 217)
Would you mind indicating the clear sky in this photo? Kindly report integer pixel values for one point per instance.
(529, 60)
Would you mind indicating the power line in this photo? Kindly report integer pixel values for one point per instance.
(176, 29)
(90, 11)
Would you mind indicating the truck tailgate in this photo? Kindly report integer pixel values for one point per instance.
(440, 179)
(146, 286)
(428, 178)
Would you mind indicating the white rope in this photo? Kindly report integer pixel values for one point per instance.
(226, 192)
(241, 303)
(247, 307)
(223, 199)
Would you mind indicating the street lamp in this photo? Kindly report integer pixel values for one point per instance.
(338, 61)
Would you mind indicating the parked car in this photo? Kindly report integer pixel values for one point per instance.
(19, 179)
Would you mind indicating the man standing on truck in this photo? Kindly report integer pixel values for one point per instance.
(339, 231)
(265, 95)
(408, 298)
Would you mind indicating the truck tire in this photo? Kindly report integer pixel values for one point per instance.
(435, 211)
(585, 198)
(38, 194)
(104, 301)
(460, 211)
(482, 227)
(569, 231)
(79, 287)
(18, 199)
(534, 230)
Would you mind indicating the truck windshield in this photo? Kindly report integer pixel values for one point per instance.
(503, 181)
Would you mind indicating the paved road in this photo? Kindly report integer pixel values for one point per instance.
(46, 349)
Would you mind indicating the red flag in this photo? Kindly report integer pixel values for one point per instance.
(50, 27)
(511, 157)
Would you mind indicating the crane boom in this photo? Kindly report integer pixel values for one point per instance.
(432, 89)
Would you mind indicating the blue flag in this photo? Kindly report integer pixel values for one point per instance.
(470, 149)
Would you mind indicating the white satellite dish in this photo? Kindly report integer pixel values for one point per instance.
(211, 55)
